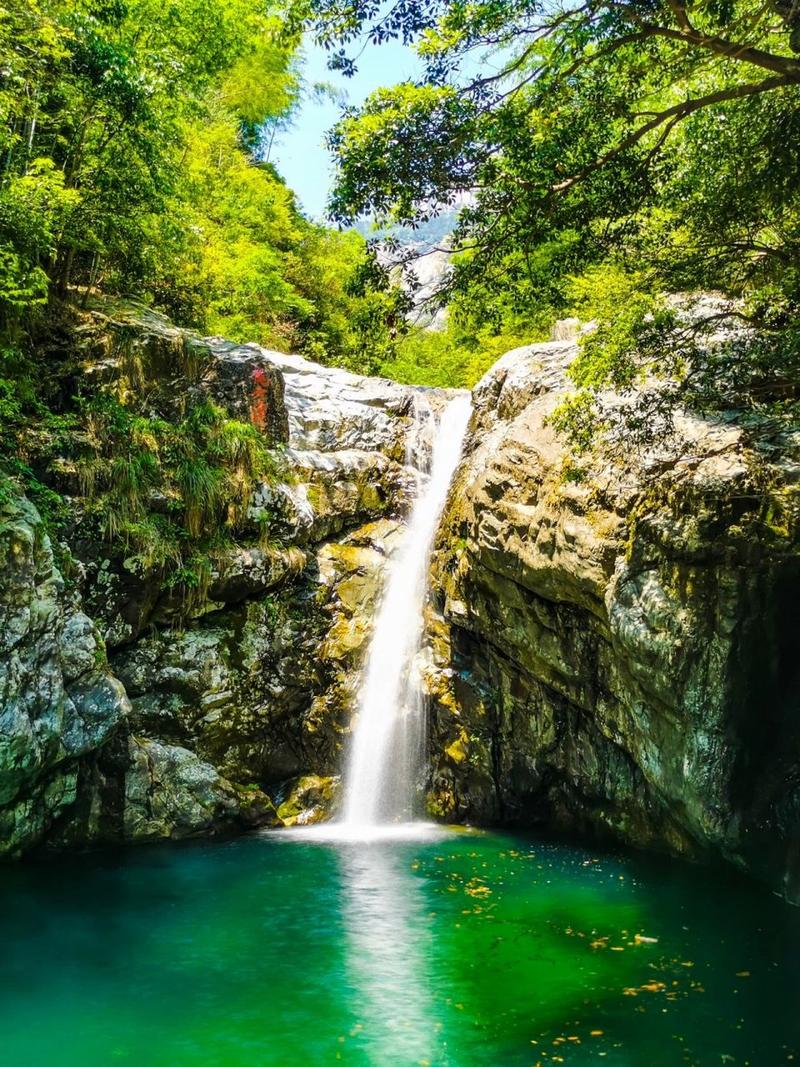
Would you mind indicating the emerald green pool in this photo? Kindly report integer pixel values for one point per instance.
(470, 949)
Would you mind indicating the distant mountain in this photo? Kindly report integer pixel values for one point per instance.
(430, 234)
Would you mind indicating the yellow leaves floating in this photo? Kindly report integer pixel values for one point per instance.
(638, 939)
(476, 889)
(561, 1043)
(648, 987)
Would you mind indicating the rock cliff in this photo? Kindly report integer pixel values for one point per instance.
(59, 702)
(611, 645)
(174, 712)
(615, 643)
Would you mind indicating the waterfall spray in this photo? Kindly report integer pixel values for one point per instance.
(388, 739)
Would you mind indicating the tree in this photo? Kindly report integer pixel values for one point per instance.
(655, 138)
(97, 97)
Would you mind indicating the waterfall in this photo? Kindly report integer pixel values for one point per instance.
(388, 741)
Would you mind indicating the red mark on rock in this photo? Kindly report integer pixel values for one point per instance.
(259, 398)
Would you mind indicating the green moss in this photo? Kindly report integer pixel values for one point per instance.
(183, 483)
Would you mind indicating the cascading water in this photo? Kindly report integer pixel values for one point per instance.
(388, 739)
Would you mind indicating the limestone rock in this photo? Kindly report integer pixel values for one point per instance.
(333, 492)
(331, 410)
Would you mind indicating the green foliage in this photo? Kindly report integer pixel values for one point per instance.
(132, 139)
(457, 356)
(133, 145)
(169, 490)
(660, 358)
(602, 154)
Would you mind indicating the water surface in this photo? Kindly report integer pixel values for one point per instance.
(471, 949)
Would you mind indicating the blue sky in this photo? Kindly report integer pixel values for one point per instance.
(300, 154)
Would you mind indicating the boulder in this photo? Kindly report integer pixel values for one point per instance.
(309, 800)
(170, 793)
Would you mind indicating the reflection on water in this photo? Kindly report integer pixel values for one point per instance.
(389, 948)
(452, 950)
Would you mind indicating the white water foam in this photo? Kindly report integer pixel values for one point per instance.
(388, 739)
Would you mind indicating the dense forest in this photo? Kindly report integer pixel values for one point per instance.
(135, 142)
(597, 157)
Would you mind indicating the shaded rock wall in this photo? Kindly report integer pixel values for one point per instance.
(615, 650)
(59, 702)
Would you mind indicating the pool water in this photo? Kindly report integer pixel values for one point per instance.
(464, 950)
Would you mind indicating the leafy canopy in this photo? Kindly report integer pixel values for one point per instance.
(655, 139)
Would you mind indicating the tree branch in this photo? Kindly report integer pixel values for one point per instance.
(788, 66)
(673, 115)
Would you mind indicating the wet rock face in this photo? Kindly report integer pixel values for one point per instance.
(264, 691)
(59, 703)
(309, 800)
(614, 652)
